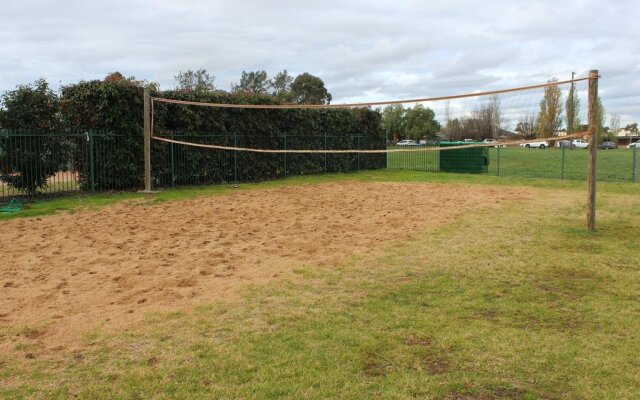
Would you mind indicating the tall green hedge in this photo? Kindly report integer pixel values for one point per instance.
(118, 107)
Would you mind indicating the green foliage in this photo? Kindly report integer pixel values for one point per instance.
(420, 123)
(393, 120)
(572, 109)
(195, 81)
(413, 123)
(550, 116)
(32, 158)
(600, 121)
(109, 106)
(281, 86)
(253, 82)
(258, 128)
(109, 111)
(309, 89)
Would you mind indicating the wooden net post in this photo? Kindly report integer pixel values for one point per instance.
(147, 141)
(593, 131)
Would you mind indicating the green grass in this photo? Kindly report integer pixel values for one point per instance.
(517, 304)
(613, 165)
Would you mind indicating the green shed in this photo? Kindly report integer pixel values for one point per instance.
(473, 160)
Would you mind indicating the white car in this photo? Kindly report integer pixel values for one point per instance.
(493, 141)
(407, 142)
(634, 144)
(540, 145)
(579, 144)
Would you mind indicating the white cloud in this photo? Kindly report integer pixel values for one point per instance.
(363, 50)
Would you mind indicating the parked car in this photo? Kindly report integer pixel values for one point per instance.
(565, 143)
(580, 144)
(493, 141)
(634, 144)
(407, 142)
(540, 145)
(607, 146)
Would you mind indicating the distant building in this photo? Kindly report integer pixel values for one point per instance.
(624, 137)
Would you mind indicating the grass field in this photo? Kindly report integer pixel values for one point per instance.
(613, 165)
(510, 301)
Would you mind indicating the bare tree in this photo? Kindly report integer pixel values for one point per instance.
(614, 125)
(485, 120)
(528, 126)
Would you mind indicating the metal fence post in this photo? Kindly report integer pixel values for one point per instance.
(498, 162)
(386, 144)
(358, 153)
(285, 154)
(562, 164)
(92, 173)
(325, 154)
(173, 166)
(235, 158)
(634, 165)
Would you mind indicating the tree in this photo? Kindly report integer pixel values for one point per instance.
(420, 123)
(198, 81)
(393, 120)
(35, 109)
(487, 119)
(550, 116)
(614, 125)
(309, 89)
(281, 85)
(528, 127)
(572, 109)
(252, 82)
(600, 121)
(633, 128)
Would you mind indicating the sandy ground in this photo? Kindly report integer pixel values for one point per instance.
(67, 274)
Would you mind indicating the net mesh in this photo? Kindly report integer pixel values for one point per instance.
(508, 117)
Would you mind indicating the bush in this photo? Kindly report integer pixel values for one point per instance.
(28, 154)
(259, 128)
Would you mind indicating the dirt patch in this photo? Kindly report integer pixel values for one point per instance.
(103, 269)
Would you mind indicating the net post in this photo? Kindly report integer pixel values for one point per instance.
(147, 140)
(498, 161)
(593, 131)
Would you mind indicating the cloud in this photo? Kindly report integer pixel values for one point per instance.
(363, 50)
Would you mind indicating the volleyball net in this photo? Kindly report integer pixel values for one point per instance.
(221, 138)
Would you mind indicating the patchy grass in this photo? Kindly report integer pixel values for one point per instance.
(82, 201)
(518, 303)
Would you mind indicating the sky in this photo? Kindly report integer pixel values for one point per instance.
(363, 50)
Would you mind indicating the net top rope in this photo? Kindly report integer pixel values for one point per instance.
(369, 104)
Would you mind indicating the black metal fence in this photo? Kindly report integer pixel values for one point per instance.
(36, 164)
(618, 165)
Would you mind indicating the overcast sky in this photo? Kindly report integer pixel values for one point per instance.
(363, 50)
